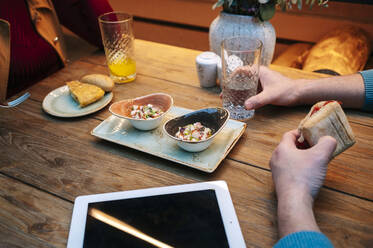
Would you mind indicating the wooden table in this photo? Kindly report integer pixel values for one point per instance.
(45, 162)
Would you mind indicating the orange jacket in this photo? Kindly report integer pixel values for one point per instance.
(45, 21)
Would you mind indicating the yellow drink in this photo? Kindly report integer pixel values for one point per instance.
(123, 70)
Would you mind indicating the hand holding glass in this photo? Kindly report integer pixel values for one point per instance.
(117, 37)
(240, 65)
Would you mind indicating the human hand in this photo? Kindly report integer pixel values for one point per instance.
(298, 176)
(276, 89)
(294, 169)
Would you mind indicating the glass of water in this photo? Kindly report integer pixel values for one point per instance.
(240, 66)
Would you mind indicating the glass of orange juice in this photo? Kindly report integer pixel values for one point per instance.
(117, 37)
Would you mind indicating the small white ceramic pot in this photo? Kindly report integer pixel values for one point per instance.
(206, 64)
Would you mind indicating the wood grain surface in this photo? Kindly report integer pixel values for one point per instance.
(177, 65)
(45, 161)
(263, 132)
(55, 164)
(31, 216)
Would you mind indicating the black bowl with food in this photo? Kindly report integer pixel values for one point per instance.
(195, 131)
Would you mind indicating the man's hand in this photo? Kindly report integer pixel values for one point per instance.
(276, 89)
(298, 176)
(283, 91)
(301, 169)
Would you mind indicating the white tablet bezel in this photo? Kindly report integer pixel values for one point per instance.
(229, 217)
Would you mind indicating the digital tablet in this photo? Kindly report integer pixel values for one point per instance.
(190, 215)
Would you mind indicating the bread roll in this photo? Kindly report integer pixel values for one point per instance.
(100, 80)
(344, 51)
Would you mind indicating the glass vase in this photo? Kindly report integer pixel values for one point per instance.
(231, 25)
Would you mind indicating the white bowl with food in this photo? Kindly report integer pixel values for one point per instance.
(145, 112)
(195, 131)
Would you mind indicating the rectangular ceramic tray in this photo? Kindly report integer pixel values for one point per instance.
(155, 142)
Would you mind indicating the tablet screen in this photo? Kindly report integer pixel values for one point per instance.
(189, 219)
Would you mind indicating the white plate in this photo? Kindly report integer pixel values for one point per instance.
(155, 142)
(60, 103)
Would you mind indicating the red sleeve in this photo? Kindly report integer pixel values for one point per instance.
(80, 16)
(31, 57)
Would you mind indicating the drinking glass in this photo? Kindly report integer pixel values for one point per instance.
(240, 65)
(117, 37)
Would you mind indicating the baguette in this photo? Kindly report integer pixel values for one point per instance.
(344, 51)
(294, 56)
(100, 80)
(327, 118)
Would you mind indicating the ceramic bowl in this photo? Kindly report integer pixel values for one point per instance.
(122, 109)
(213, 118)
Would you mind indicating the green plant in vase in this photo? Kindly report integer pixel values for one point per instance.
(250, 18)
(263, 9)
